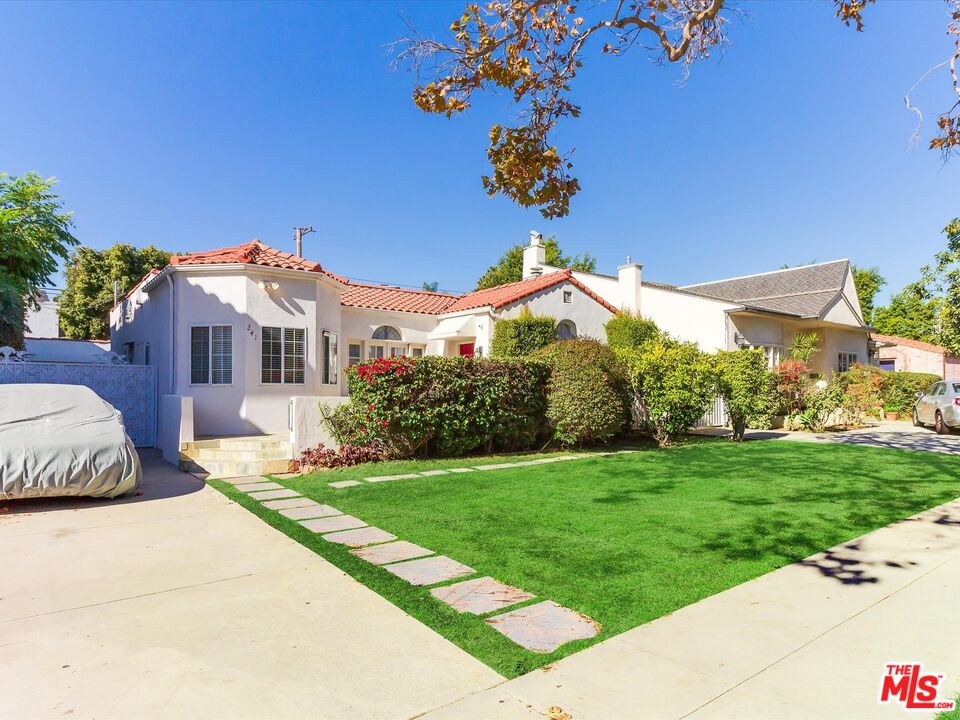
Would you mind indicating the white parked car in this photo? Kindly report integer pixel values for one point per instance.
(63, 440)
(939, 406)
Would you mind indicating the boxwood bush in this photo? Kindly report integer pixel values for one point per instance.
(588, 397)
(627, 330)
(443, 406)
(521, 336)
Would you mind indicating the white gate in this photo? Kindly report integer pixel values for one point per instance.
(131, 389)
(715, 416)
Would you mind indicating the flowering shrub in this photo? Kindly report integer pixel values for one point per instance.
(446, 406)
(793, 386)
(347, 455)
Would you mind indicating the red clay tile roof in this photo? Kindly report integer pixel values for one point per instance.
(381, 297)
(501, 295)
(907, 342)
(253, 253)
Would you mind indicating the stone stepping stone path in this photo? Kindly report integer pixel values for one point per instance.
(332, 524)
(429, 571)
(293, 502)
(245, 480)
(308, 512)
(253, 487)
(541, 627)
(274, 494)
(360, 537)
(391, 552)
(480, 596)
(494, 466)
(544, 626)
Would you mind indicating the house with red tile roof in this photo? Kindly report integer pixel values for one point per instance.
(899, 353)
(248, 334)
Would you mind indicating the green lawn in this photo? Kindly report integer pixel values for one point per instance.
(624, 539)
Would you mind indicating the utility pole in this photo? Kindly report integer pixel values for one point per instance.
(298, 233)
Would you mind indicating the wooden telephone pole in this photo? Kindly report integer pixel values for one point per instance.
(298, 234)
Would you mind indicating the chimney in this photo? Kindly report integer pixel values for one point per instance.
(629, 282)
(534, 256)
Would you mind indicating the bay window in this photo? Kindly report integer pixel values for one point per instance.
(283, 354)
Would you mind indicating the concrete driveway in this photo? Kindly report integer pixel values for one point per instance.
(896, 435)
(179, 603)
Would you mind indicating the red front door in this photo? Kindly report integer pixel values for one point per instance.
(466, 349)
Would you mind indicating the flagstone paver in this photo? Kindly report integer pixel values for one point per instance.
(480, 596)
(253, 487)
(286, 475)
(429, 571)
(310, 511)
(387, 478)
(274, 494)
(461, 470)
(344, 483)
(391, 552)
(544, 626)
(332, 524)
(497, 466)
(289, 503)
(431, 473)
(360, 536)
(246, 479)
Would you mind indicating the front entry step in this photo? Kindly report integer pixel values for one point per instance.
(238, 456)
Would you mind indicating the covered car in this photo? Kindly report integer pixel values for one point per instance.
(58, 440)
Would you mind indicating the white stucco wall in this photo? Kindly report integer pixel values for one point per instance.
(44, 322)
(687, 317)
(587, 314)
(66, 350)
(145, 319)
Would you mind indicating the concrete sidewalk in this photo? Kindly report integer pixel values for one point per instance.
(807, 641)
(179, 603)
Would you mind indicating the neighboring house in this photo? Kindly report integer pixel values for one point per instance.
(899, 353)
(42, 341)
(244, 330)
(43, 322)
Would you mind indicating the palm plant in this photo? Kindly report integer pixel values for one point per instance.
(804, 346)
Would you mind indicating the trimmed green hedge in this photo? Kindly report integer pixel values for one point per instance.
(443, 406)
(899, 389)
(589, 393)
(522, 336)
(627, 330)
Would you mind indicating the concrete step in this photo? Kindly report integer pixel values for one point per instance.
(239, 455)
(227, 469)
(256, 442)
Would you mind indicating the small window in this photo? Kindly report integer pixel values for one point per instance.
(398, 350)
(283, 354)
(385, 332)
(211, 355)
(568, 296)
(417, 352)
(889, 365)
(845, 361)
(128, 349)
(146, 354)
(354, 354)
(374, 351)
(330, 358)
(566, 330)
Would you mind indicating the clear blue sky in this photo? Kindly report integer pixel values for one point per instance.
(194, 126)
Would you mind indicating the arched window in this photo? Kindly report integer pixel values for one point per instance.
(566, 330)
(385, 332)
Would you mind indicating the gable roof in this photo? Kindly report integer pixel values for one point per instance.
(253, 253)
(907, 342)
(502, 295)
(805, 291)
(384, 297)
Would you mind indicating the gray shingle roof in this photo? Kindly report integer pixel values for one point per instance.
(803, 291)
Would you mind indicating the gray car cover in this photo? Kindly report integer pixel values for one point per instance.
(63, 440)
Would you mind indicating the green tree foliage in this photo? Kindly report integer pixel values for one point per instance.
(747, 387)
(628, 330)
(868, 282)
(673, 384)
(588, 397)
(912, 313)
(509, 268)
(944, 276)
(431, 286)
(804, 346)
(85, 304)
(523, 335)
(34, 238)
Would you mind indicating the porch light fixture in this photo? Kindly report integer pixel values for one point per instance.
(741, 341)
(268, 286)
